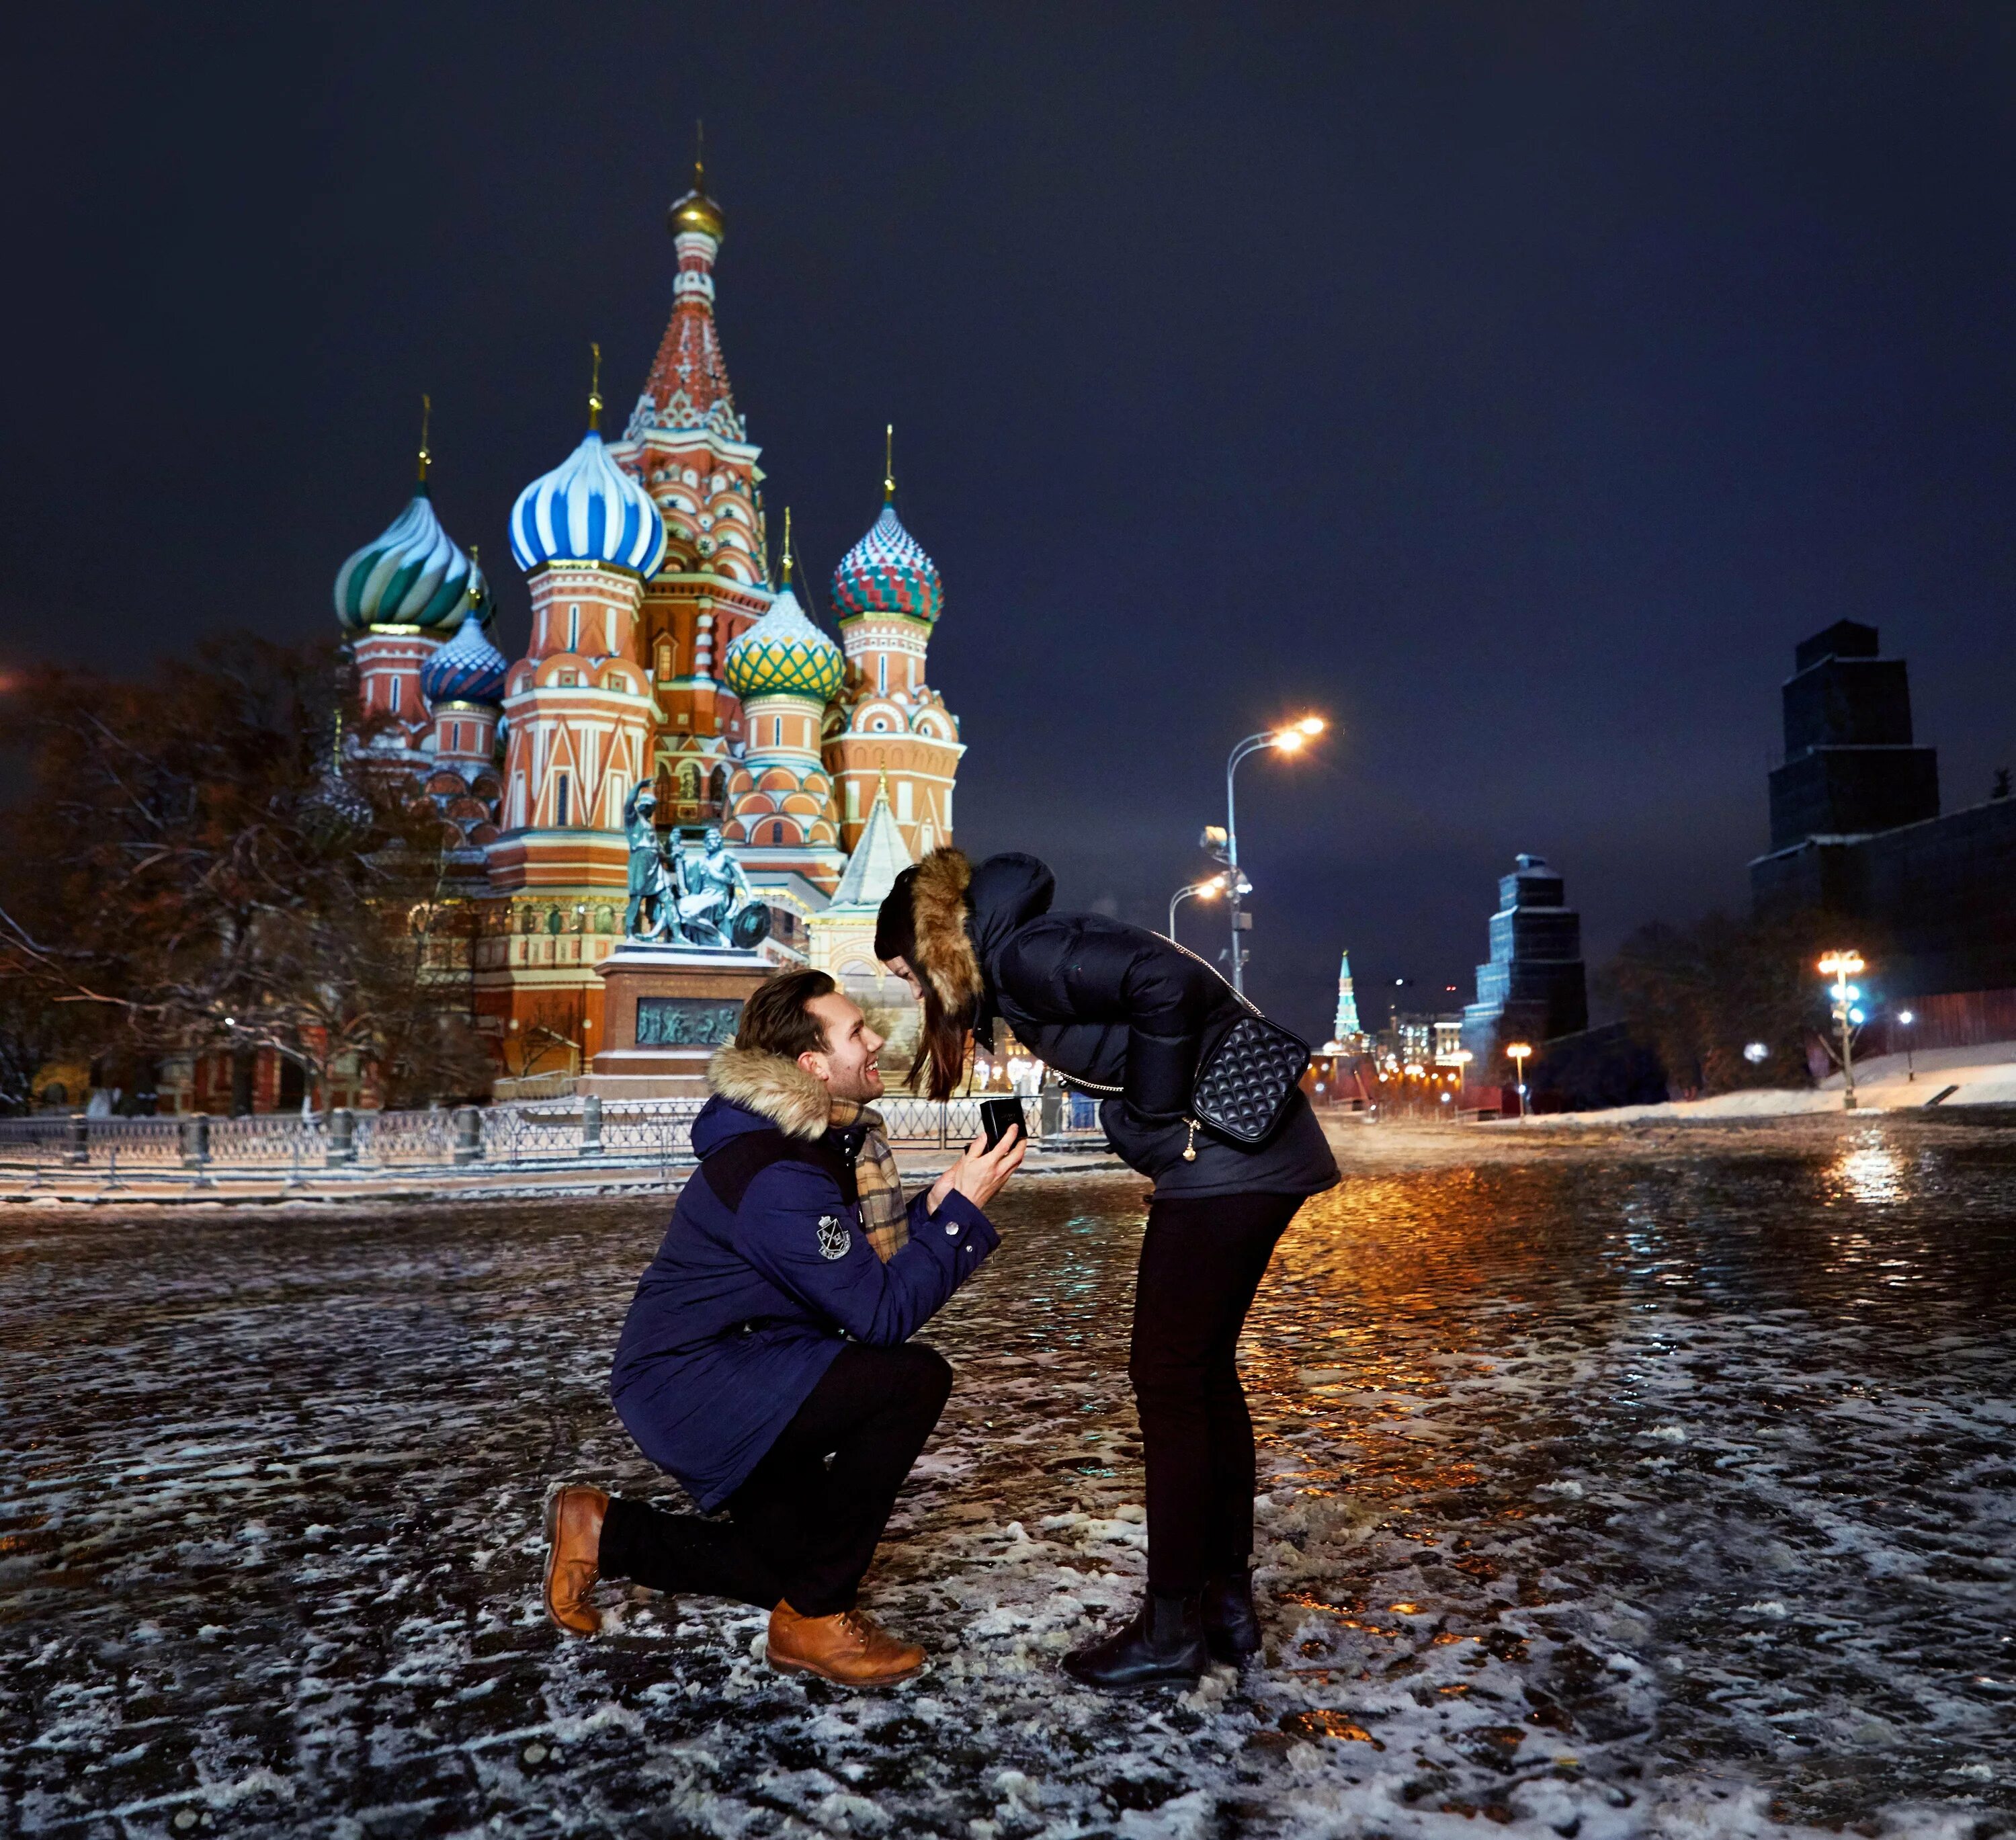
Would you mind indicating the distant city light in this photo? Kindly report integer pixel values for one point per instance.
(1756, 1053)
(1905, 1018)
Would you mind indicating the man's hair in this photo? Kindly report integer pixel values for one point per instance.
(775, 1020)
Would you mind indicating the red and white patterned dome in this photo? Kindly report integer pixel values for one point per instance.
(887, 572)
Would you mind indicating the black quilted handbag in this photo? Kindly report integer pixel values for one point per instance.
(1241, 1089)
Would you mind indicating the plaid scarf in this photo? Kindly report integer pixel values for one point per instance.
(883, 1217)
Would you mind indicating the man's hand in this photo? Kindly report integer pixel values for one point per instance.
(980, 1172)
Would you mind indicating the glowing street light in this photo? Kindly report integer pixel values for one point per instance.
(1518, 1053)
(1841, 966)
(1207, 890)
(1288, 739)
(1904, 1019)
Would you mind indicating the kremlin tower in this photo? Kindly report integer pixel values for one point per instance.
(658, 652)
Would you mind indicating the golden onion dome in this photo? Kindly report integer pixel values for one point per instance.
(695, 210)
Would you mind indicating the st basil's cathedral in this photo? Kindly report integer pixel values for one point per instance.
(659, 651)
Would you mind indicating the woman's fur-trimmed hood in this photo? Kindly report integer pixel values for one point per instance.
(772, 1087)
(965, 912)
(944, 954)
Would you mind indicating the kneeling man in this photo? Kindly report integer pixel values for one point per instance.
(771, 1334)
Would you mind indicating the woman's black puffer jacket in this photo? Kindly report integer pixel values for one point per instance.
(1131, 1014)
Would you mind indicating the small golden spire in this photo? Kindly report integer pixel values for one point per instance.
(594, 386)
(475, 591)
(889, 464)
(881, 787)
(426, 419)
(787, 545)
(696, 211)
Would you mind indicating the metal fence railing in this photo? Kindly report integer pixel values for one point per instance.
(628, 1133)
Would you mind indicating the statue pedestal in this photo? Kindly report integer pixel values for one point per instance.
(665, 1009)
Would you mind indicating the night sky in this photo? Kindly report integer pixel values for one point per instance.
(1513, 384)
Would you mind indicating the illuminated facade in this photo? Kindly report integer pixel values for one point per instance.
(659, 650)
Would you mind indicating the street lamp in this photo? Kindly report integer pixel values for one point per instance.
(1208, 890)
(1289, 739)
(1460, 1078)
(1843, 966)
(1517, 1052)
(1904, 1019)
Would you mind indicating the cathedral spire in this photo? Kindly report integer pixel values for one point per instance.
(688, 386)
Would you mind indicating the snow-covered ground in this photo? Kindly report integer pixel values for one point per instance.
(1602, 1495)
(1948, 1077)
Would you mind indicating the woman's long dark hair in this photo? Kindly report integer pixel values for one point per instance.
(942, 1042)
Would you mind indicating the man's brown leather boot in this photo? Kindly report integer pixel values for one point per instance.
(573, 1547)
(850, 1649)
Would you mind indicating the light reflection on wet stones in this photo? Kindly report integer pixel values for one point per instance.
(1590, 1488)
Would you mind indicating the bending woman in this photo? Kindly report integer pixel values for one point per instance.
(1114, 1006)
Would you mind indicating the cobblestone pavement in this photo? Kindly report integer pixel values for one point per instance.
(1601, 1495)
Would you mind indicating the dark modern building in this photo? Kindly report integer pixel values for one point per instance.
(1857, 833)
(1534, 986)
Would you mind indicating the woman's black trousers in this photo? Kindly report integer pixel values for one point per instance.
(801, 1529)
(1201, 1262)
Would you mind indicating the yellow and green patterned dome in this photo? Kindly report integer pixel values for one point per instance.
(784, 655)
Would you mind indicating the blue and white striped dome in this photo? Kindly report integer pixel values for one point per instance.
(588, 509)
(413, 575)
(468, 669)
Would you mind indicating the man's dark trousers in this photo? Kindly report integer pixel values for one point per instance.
(800, 1531)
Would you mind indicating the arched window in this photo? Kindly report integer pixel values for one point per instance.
(718, 787)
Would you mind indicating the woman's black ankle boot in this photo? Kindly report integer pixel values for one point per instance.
(1231, 1625)
(1162, 1646)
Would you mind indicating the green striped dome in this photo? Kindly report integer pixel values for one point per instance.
(413, 575)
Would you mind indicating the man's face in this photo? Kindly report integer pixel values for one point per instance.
(848, 1065)
(711, 841)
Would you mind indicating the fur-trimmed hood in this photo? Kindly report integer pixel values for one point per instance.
(965, 913)
(772, 1087)
(945, 955)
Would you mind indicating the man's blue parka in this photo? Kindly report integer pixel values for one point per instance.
(742, 1311)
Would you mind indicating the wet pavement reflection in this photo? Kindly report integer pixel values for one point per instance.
(1600, 1495)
